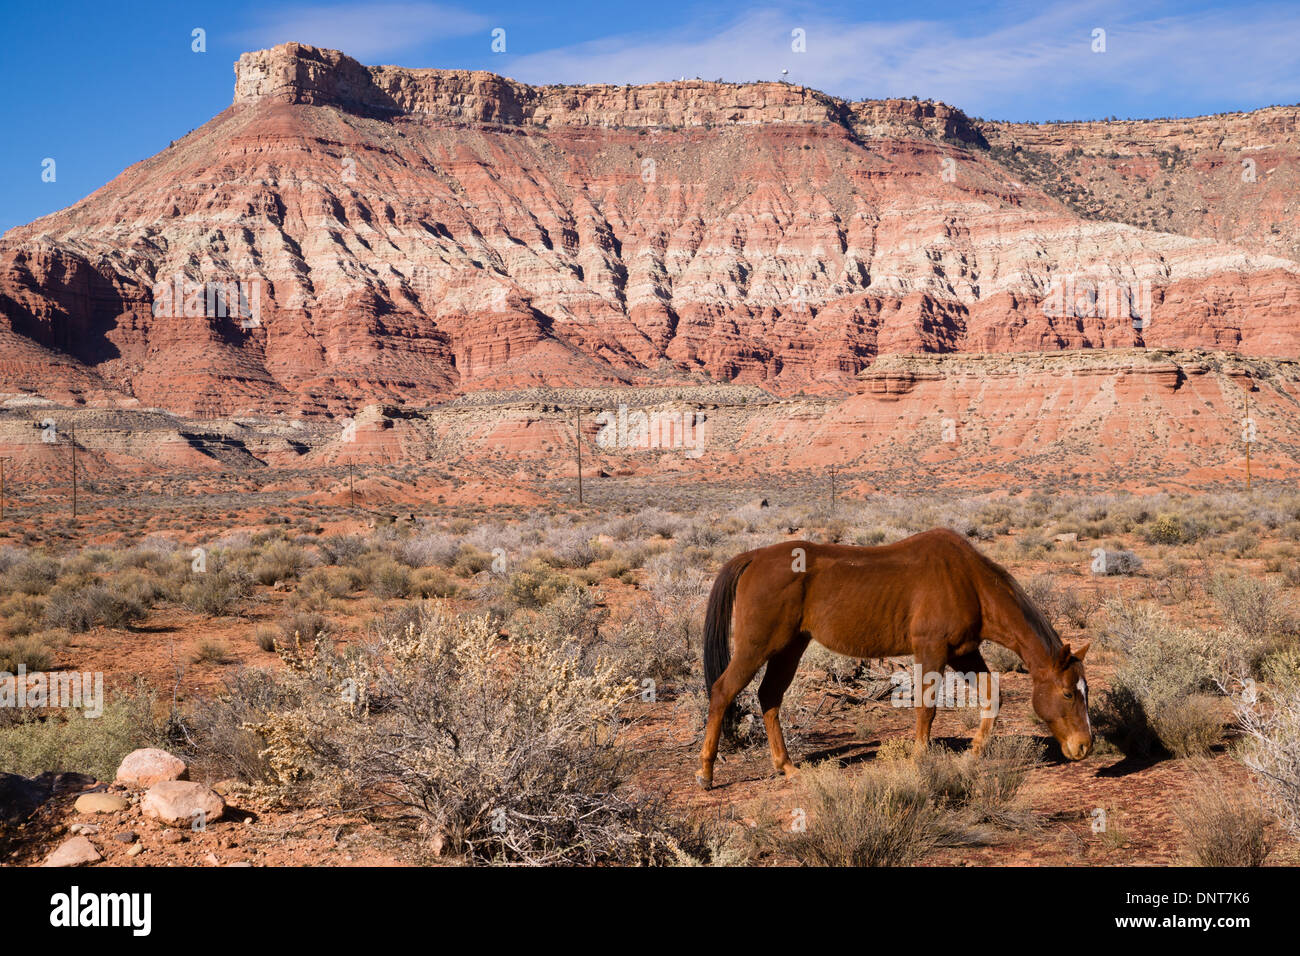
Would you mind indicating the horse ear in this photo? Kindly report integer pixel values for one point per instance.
(1082, 652)
(1063, 658)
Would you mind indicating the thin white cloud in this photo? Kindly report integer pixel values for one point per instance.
(367, 32)
(1041, 64)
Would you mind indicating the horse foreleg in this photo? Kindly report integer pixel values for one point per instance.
(730, 683)
(780, 672)
(973, 664)
(925, 694)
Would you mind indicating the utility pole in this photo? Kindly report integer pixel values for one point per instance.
(72, 440)
(1249, 435)
(832, 471)
(2, 487)
(578, 437)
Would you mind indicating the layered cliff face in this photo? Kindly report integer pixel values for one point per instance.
(346, 234)
(1234, 177)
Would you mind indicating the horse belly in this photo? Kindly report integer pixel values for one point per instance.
(854, 642)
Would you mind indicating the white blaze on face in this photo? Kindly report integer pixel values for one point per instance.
(1082, 687)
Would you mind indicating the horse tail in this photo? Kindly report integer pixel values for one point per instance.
(717, 631)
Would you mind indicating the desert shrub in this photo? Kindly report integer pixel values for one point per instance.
(72, 742)
(1222, 826)
(80, 609)
(343, 549)
(331, 582)
(1116, 562)
(1192, 727)
(430, 551)
(30, 651)
(279, 561)
(983, 789)
(1254, 607)
(433, 582)
(471, 561)
(1269, 720)
(575, 615)
(218, 728)
(32, 574)
(140, 587)
(537, 585)
(569, 548)
(1169, 528)
(677, 596)
(22, 614)
(388, 578)
(1060, 604)
(654, 522)
(302, 626)
(639, 650)
(216, 592)
(1161, 697)
(507, 752)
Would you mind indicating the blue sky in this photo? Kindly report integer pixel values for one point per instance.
(97, 86)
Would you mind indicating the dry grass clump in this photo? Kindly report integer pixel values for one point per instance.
(211, 652)
(1222, 826)
(880, 817)
(29, 651)
(896, 811)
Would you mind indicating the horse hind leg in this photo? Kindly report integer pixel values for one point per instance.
(781, 668)
(730, 682)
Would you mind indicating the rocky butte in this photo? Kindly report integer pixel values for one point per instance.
(343, 235)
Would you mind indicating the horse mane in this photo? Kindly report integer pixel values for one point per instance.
(1034, 616)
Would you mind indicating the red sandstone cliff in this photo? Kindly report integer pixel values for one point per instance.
(410, 233)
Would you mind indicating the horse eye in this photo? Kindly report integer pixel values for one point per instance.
(1069, 695)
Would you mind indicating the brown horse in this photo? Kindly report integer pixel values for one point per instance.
(932, 595)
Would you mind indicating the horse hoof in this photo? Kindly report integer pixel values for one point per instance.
(704, 783)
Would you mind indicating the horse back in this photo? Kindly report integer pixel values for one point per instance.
(867, 601)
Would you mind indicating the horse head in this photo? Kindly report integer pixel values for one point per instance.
(1061, 700)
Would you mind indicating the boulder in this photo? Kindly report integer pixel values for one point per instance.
(144, 768)
(73, 852)
(100, 803)
(180, 803)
